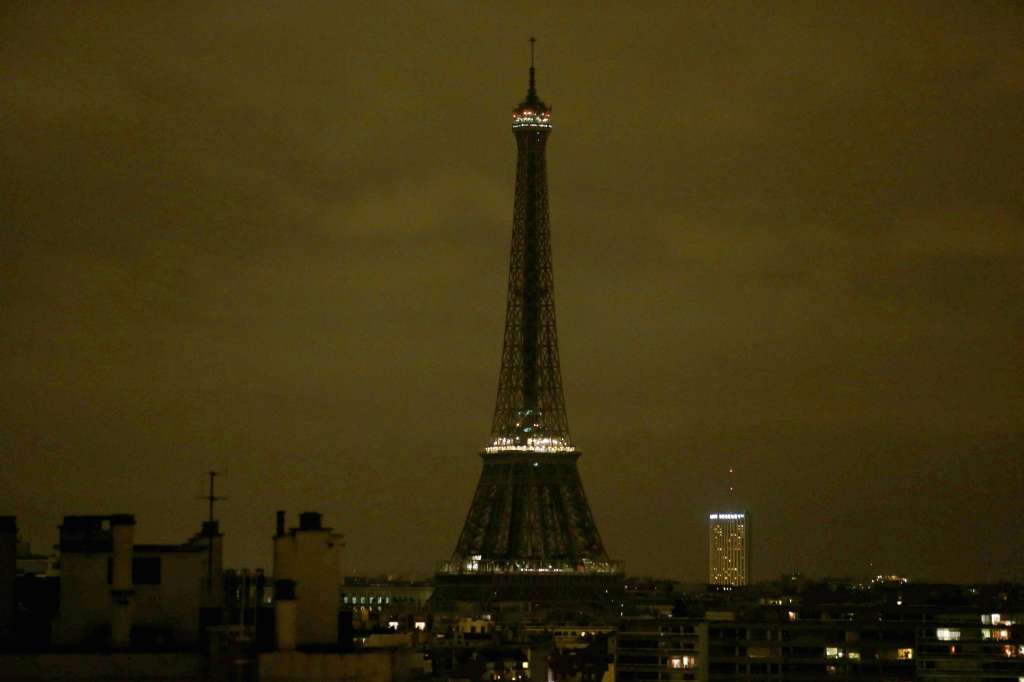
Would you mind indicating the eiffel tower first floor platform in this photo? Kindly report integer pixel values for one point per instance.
(530, 538)
(595, 593)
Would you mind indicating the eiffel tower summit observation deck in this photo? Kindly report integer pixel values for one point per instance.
(529, 534)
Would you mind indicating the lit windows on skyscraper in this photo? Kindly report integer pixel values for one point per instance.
(729, 548)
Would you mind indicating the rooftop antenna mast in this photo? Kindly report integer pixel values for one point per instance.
(533, 78)
(210, 526)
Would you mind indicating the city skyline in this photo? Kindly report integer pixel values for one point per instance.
(274, 242)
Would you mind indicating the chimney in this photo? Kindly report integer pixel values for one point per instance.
(310, 521)
(280, 522)
(122, 531)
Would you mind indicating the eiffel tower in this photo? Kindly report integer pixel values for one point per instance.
(529, 534)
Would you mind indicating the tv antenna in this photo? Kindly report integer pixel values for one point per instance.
(209, 527)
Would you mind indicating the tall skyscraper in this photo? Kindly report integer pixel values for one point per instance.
(729, 548)
(529, 533)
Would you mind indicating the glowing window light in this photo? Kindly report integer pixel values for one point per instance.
(477, 564)
(947, 634)
(527, 118)
(905, 654)
(682, 662)
(533, 444)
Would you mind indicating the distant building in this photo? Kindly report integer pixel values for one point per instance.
(119, 594)
(765, 644)
(784, 646)
(661, 649)
(374, 601)
(969, 647)
(382, 592)
(729, 548)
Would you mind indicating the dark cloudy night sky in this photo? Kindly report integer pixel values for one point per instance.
(273, 238)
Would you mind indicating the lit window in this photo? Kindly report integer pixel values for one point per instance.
(682, 662)
(853, 655)
(833, 652)
(905, 654)
(393, 625)
(947, 634)
(421, 625)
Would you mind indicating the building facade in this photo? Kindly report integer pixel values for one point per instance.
(120, 594)
(661, 649)
(984, 647)
(729, 548)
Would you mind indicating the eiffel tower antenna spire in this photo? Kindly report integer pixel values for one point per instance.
(533, 70)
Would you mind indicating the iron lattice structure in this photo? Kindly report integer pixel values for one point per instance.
(530, 408)
(529, 515)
